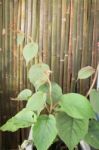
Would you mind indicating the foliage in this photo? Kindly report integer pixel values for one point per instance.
(85, 72)
(51, 113)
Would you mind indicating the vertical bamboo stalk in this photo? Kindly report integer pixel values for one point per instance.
(5, 67)
(34, 20)
(3, 64)
(97, 30)
(85, 46)
(15, 59)
(79, 38)
(41, 31)
(45, 32)
(94, 36)
(22, 65)
(74, 52)
(28, 85)
(63, 35)
(54, 37)
(49, 30)
(90, 32)
(11, 48)
(70, 49)
(18, 47)
(59, 15)
(22, 71)
(85, 33)
(2, 67)
(66, 45)
(1, 78)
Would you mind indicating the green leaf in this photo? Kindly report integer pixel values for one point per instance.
(56, 92)
(30, 51)
(23, 119)
(94, 100)
(37, 101)
(38, 74)
(92, 136)
(44, 132)
(24, 94)
(76, 105)
(71, 130)
(85, 72)
(20, 38)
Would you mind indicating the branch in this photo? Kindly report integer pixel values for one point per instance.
(94, 80)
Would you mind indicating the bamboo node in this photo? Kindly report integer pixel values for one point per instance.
(66, 55)
(61, 60)
(67, 12)
(3, 31)
(64, 19)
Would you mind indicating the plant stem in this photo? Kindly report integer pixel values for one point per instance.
(94, 80)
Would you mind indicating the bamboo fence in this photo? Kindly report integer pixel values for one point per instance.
(67, 32)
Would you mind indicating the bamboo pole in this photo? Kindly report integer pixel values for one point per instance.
(59, 18)
(1, 77)
(34, 20)
(45, 32)
(41, 31)
(74, 43)
(54, 42)
(66, 45)
(85, 41)
(3, 61)
(94, 35)
(97, 30)
(49, 31)
(63, 36)
(22, 64)
(79, 46)
(70, 49)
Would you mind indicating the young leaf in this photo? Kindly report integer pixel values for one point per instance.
(56, 92)
(76, 105)
(38, 74)
(20, 38)
(37, 101)
(30, 51)
(94, 100)
(86, 72)
(23, 119)
(92, 136)
(24, 94)
(44, 132)
(71, 130)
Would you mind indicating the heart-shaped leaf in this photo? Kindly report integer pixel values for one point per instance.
(44, 132)
(76, 105)
(71, 130)
(85, 72)
(30, 51)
